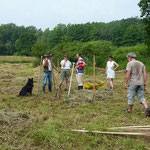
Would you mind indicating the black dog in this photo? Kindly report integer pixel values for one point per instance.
(27, 88)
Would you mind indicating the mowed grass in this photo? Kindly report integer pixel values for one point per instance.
(47, 121)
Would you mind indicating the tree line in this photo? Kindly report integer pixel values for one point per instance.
(20, 40)
(101, 39)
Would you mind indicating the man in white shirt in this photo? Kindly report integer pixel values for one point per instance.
(65, 71)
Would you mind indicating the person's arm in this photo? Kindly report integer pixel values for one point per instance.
(84, 64)
(106, 69)
(54, 66)
(145, 77)
(71, 64)
(127, 78)
(77, 65)
(64, 62)
(116, 65)
(45, 62)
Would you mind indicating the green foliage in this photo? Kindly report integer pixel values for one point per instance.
(24, 43)
(145, 13)
(102, 49)
(19, 40)
(99, 39)
(39, 48)
(140, 50)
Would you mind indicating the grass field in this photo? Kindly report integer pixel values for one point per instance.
(45, 122)
(16, 59)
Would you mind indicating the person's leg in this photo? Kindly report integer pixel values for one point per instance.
(60, 84)
(45, 76)
(111, 83)
(131, 96)
(67, 73)
(140, 95)
(50, 81)
(66, 84)
(80, 80)
(77, 81)
(62, 78)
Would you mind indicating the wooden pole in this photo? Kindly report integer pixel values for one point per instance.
(70, 81)
(113, 133)
(54, 81)
(58, 72)
(58, 78)
(94, 80)
(39, 77)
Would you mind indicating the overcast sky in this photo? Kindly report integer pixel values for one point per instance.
(48, 13)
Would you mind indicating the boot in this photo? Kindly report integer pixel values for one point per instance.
(50, 89)
(78, 87)
(43, 90)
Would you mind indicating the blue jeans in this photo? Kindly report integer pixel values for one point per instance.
(47, 75)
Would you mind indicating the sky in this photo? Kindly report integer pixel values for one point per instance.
(48, 13)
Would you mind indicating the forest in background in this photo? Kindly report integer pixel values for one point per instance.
(116, 38)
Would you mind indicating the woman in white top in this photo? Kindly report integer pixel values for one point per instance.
(111, 66)
(65, 71)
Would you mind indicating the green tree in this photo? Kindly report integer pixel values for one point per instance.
(133, 35)
(39, 48)
(25, 43)
(145, 13)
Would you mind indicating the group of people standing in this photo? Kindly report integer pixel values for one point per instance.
(136, 77)
(48, 66)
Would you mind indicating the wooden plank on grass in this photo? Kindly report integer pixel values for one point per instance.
(112, 133)
(130, 127)
(146, 129)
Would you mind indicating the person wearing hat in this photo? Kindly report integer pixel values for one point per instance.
(111, 66)
(137, 77)
(48, 66)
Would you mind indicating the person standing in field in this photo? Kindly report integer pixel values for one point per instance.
(137, 77)
(110, 70)
(80, 66)
(65, 71)
(48, 66)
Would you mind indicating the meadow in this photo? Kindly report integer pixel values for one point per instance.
(44, 122)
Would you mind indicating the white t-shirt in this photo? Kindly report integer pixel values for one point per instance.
(67, 64)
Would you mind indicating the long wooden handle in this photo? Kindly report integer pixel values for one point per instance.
(71, 79)
(113, 133)
(39, 76)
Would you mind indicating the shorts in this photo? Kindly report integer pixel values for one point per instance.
(65, 73)
(135, 90)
